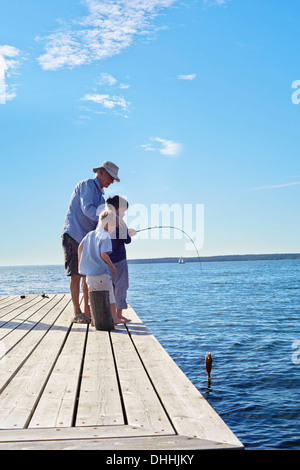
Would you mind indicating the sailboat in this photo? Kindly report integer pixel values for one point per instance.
(181, 260)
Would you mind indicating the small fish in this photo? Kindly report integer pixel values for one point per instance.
(208, 364)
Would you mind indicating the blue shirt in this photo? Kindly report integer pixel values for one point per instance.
(94, 243)
(118, 241)
(81, 217)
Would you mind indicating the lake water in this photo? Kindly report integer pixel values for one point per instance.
(245, 313)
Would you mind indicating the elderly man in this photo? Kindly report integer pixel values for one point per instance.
(81, 218)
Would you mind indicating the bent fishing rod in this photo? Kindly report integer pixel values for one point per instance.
(175, 228)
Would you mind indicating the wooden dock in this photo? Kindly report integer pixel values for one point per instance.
(68, 386)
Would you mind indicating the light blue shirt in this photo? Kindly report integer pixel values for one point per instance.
(94, 243)
(81, 217)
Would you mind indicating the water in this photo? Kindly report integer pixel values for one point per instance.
(245, 313)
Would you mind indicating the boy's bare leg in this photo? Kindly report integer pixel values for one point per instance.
(119, 313)
(120, 316)
(114, 314)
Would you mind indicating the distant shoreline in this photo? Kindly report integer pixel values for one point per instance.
(220, 258)
(203, 259)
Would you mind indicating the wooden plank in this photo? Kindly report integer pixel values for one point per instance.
(9, 299)
(141, 443)
(14, 309)
(99, 400)
(17, 355)
(5, 299)
(141, 402)
(78, 432)
(13, 299)
(57, 403)
(21, 392)
(190, 413)
(15, 318)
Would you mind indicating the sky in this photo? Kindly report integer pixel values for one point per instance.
(196, 101)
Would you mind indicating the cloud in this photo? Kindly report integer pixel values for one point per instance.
(192, 76)
(107, 79)
(216, 2)
(107, 101)
(165, 147)
(9, 62)
(275, 186)
(169, 147)
(109, 27)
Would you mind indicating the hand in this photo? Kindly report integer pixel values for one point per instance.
(121, 222)
(132, 232)
(113, 269)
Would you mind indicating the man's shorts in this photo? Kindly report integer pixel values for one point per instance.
(101, 282)
(70, 247)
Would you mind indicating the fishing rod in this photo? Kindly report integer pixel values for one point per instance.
(175, 228)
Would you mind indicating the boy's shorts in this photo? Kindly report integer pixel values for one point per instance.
(121, 283)
(101, 282)
(70, 247)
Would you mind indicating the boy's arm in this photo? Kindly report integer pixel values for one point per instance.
(107, 260)
(132, 232)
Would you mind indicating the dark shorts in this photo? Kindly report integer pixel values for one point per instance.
(70, 247)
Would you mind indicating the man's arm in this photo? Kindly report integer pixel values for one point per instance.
(90, 199)
(80, 248)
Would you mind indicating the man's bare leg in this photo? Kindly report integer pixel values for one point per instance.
(85, 292)
(79, 317)
(75, 289)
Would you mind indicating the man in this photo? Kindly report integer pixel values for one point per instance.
(81, 218)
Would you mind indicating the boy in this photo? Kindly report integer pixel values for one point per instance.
(94, 260)
(122, 236)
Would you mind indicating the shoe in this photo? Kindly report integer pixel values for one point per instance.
(81, 318)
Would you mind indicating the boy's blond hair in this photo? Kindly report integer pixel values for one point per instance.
(107, 218)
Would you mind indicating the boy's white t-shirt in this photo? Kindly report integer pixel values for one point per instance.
(94, 243)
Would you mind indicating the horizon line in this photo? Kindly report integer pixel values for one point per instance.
(203, 258)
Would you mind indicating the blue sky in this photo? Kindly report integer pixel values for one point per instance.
(196, 101)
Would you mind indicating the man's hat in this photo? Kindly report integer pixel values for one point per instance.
(111, 168)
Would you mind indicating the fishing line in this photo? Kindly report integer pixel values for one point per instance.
(175, 228)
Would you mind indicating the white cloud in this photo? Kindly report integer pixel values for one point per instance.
(216, 2)
(107, 79)
(274, 186)
(9, 61)
(107, 101)
(109, 27)
(192, 76)
(165, 147)
(148, 147)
